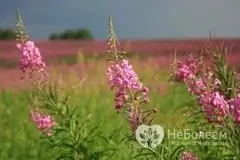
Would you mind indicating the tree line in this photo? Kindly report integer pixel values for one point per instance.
(69, 34)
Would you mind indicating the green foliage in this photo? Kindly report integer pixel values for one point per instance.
(20, 140)
(226, 74)
(75, 137)
(81, 33)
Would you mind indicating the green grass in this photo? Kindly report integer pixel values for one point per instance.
(19, 137)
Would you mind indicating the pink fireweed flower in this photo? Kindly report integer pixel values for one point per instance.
(205, 89)
(218, 100)
(234, 108)
(205, 83)
(220, 106)
(44, 122)
(188, 156)
(196, 86)
(214, 105)
(30, 58)
(122, 76)
(186, 71)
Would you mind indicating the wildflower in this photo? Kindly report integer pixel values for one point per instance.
(188, 156)
(235, 108)
(184, 72)
(130, 91)
(122, 76)
(205, 88)
(214, 105)
(30, 58)
(218, 100)
(196, 86)
(43, 122)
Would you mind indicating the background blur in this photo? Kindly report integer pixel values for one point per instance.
(64, 29)
(135, 19)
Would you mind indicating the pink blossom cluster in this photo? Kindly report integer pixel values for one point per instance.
(205, 89)
(214, 105)
(130, 91)
(186, 155)
(185, 71)
(235, 108)
(197, 86)
(44, 122)
(122, 76)
(30, 57)
(205, 82)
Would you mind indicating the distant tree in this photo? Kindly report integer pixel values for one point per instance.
(81, 33)
(53, 36)
(7, 34)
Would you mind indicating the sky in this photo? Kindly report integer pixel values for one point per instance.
(133, 19)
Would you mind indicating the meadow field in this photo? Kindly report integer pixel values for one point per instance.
(19, 138)
(86, 122)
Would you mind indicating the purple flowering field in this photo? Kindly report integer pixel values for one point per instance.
(92, 109)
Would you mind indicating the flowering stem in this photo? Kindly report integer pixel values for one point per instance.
(132, 96)
(115, 51)
(114, 39)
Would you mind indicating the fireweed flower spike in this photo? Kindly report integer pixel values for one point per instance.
(184, 71)
(44, 122)
(31, 61)
(204, 88)
(130, 92)
(123, 77)
(30, 58)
